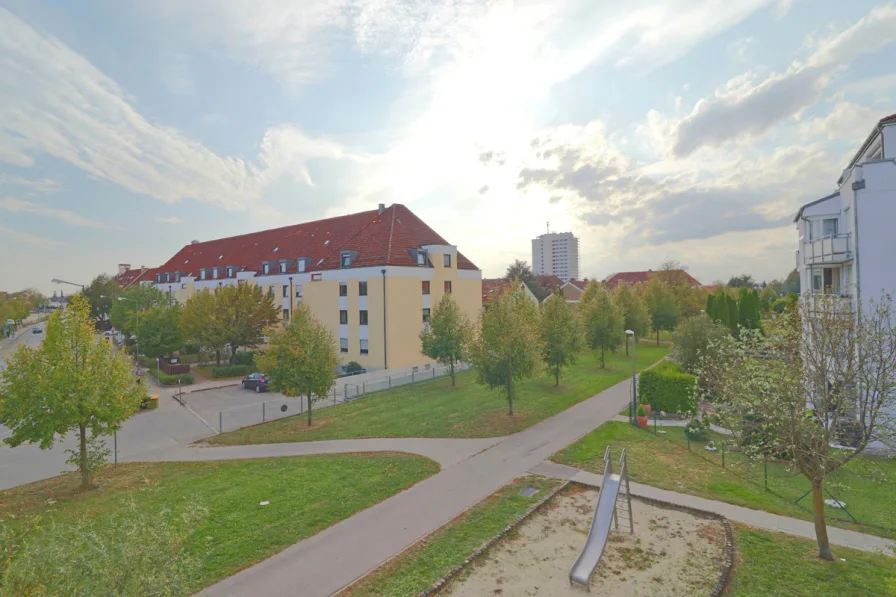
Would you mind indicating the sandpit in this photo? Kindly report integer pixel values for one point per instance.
(671, 553)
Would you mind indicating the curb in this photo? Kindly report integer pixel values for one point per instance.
(226, 385)
(717, 591)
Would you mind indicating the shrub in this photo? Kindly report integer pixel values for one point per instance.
(693, 338)
(642, 412)
(244, 358)
(189, 349)
(697, 429)
(668, 389)
(353, 367)
(230, 371)
(171, 380)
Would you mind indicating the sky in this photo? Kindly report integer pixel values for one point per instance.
(653, 129)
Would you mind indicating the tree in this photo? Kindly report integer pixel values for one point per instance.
(672, 273)
(768, 296)
(633, 307)
(159, 333)
(302, 358)
(507, 347)
(70, 382)
(245, 311)
(100, 294)
(792, 282)
(733, 312)
(741, 281)
(695, 337)
(561, 336)
(520, 270)
(821, 375)
(201, 322)
(123, 314)
(662, 306)
(602, 320)
(448, 335)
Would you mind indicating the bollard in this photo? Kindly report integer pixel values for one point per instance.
(262, 412)
(433, 372)
(345, 393)
(220, 421)
(115, 440)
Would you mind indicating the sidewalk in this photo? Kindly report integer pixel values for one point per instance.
(660, 423)
(754, 518)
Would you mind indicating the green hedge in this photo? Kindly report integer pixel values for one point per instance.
(171, 380)
(244, 358)
(231, 371)
(668, 389)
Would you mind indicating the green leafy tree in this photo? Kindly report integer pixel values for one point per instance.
(507, 348)
(449, 333)
(123, 314)
(100, 294)
(694, 337)
(159, 333)
(302, 358)
(70, 382)
(792, 283)
(244, 312)
(635, 314)
(768, 296)
(741, 281)
(662, 306)
(202, 324)
(561, 336)
(601, 319)
(520, 270)
(733, 313)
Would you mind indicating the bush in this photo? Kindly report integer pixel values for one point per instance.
(642, 412)
(692, 338)
(230, 371)
(244, 358)
(353, 367)
(171, 380)
(189, 349)
(668, 389)
(698, 429)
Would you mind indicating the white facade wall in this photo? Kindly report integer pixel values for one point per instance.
(556, 254)
(875, 215)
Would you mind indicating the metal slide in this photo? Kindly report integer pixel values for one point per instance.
(605, 514)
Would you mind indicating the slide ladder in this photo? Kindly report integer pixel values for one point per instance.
(607, 513)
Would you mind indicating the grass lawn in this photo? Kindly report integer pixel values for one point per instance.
(867, 484)
(776, 565)
(435, 409)
(307, 494)
(206, 372)
(416, 569)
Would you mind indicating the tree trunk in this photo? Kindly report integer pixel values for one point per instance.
(85, 472)
(602, 365)
(657, 337)
(510, 396)
(451, 364)
(233, 350)
(821, 528)
(218, 357)
(309, 408)
(557, 376)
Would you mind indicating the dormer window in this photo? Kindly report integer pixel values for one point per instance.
(266, 268)
(158, 278)
(345, 259)
(300, 264)
(421, 257)
(202, 273)
(282, 267)
(230, 272)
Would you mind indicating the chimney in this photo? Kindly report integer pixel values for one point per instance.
(194, 242)
(123, 267)
(381, 208)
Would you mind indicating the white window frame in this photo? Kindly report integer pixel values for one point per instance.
(301, 265)
(343, 345)
(364, 346)
(283, 268)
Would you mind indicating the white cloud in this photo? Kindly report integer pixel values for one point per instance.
(847, 120)
(13, 205)
(43, 185)
(17, 237)
(170, 220)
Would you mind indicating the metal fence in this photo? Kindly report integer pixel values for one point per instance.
(343, 391)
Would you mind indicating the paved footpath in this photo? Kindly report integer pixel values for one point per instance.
(755, 518)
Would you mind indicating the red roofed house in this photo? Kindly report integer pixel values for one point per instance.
(371, 277)
(492, 286)
(127, 277)
(632, 278)
(571, 291)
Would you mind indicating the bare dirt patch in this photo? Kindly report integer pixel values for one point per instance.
(671, 553)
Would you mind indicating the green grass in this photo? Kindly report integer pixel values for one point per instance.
(867, 484)
(307, 494)
(776, 565)
(435, 409)
(429, 560)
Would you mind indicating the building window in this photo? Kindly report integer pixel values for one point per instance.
(447, 260)
(343, 317)
(271, 291)
(829, 227)
(282, 268)
(425, 315)
(265, 269)
(316, 277)
(202, 274)
(362, 288)
(301, 265)
(345, 259)
(363, 346)
(285, 291)
(343, 289)
(425, 286)
(343, 345)
(286, 315)
(447, 286)
(363, 316)
(421, 257)
(298, 291)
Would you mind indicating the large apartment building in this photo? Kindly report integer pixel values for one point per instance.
(846, 244)
(371, 277)
(556, 254)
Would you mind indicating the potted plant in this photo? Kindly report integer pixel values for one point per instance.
(642, 416)
(645, 404)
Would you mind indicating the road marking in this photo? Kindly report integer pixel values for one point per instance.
(216, 432)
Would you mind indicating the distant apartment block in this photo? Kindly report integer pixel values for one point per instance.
(372, 278)
(556, 254)
(846, 241)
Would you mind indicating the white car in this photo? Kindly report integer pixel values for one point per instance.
(109, 333)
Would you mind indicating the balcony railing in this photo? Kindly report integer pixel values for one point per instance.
(835, 248)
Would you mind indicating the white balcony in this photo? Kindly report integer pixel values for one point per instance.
(836, 248)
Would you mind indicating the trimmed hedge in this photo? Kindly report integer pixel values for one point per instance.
(171, 380)
(244, 358)
(231, 371)
(668, 389)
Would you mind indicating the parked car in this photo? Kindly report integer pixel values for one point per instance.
(36, 330)
(255, 381)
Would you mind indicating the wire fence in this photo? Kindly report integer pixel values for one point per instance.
(853, 493)
(343, 391)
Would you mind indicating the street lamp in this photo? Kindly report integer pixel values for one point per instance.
(137, 316)
(57, 281)
(632, 406)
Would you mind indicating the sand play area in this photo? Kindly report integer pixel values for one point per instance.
(671, 553)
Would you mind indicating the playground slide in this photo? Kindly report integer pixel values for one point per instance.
(600, 529)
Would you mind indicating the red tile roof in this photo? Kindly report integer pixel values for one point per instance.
(890, 118)
(549, 282)
(133, 276)
(492, 286)
(386, 238)
(641, 277)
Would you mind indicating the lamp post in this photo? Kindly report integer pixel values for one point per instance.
(137, 324)
(632, 405)
(58, 281)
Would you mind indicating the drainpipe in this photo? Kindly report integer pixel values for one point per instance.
(290, 298)
(385, 355)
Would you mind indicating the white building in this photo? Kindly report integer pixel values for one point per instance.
(847, 240)
(556, 254)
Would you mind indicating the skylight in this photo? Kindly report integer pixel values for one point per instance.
(276, 249)
(327, 242)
